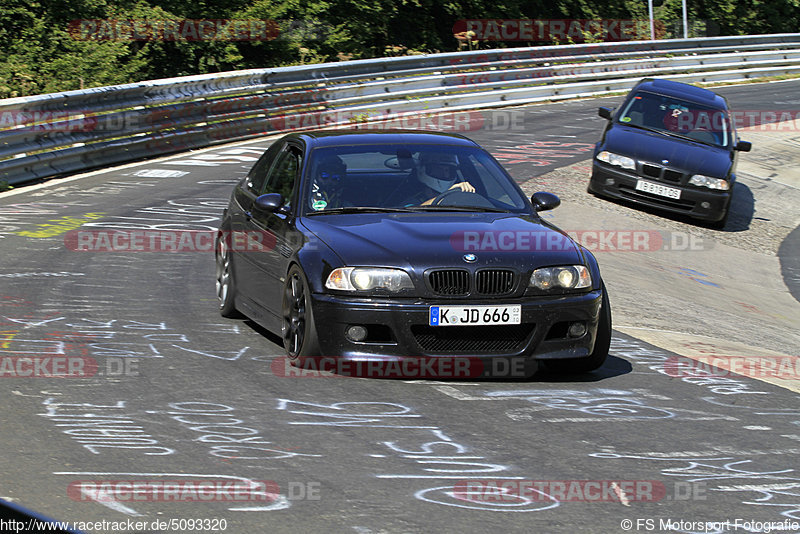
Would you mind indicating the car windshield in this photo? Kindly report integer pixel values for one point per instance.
(677, 117)
(407, 178)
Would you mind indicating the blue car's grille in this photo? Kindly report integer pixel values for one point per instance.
(653, 171)
(449, 282)
(656, 171)
(494, 282)
(495, 339)
(454, 282)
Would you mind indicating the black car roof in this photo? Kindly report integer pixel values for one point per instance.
(319, 138)
(682, 90)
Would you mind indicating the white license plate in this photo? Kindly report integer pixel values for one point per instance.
(474, 315)
(658, 189)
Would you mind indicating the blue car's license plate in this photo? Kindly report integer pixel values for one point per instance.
(474, 315)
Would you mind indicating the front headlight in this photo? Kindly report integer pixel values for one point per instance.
(368, 278)
(711, 183)
(567, 277)
(617, 160)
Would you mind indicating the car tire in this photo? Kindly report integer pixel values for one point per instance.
(225, 284)
(298, 329)
(602, 344)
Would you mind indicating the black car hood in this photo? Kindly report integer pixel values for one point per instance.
(412, 240)
(651, 147)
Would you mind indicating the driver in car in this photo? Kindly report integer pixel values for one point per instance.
(437, 173)
(326, 189)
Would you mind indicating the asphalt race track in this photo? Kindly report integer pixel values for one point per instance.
(167, 394)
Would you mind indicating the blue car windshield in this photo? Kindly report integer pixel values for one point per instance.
(407, 177)
(675, 116)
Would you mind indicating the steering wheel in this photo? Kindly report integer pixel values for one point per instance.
(441, 197)
(457, 197)
(707, 135)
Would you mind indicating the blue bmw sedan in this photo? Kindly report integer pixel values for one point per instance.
(394, 245)
(670, 146)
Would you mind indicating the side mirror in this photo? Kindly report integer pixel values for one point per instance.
(543, 201)
(744, 146)
(605, 113)
(271, 202)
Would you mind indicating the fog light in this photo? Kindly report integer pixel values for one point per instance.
(609, 181)
(356, 333)
(705, 205)
(577, 329)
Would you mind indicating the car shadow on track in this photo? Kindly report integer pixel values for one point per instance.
(271, 336)
(742, 210)
(613, 366)
(501, 370)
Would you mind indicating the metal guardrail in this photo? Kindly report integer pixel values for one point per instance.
(47, 135)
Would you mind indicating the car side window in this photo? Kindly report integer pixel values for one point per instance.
(257, 176)
(283, 175)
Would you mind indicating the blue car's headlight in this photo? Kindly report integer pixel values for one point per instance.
(566, 277)
(617, 160)
(368, 278)
(711, 183)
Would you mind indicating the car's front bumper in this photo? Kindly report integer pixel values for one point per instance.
(698, 203)
(401, 329)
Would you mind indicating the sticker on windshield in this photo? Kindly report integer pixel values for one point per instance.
(319, 205)
(625, 119)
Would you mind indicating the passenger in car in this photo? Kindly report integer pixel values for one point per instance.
(328, 184)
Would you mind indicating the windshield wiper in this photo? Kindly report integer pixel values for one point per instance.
(457, 208)
(359, 209)
(410, 209)
(670, 134)
(640, 127)
(673, 134)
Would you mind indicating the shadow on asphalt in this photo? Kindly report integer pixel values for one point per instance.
(743, 207)
(485, 371)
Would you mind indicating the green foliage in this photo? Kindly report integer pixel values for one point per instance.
(39, 54)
